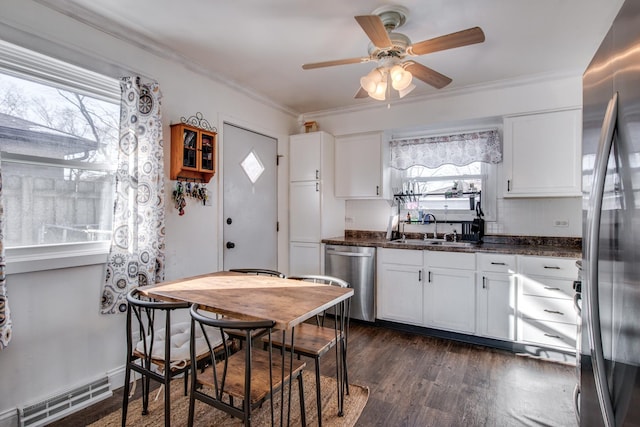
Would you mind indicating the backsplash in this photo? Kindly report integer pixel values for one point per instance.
(517, 217)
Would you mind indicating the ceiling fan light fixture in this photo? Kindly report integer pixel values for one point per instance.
(380, 91)
(406, 90)
(400, 78)
(371, 80)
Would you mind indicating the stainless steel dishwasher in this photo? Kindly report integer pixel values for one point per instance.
(356, 265)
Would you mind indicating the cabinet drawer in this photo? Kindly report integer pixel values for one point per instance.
(552, 309)
(546, 287)
(553, 334)
(454, 260)
(497, 263)
(400, 256)
(545, 266)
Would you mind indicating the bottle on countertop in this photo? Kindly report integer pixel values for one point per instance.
(409, 217)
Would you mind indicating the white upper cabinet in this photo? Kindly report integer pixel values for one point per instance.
(542, 154)
(308, 154)
(362, 166)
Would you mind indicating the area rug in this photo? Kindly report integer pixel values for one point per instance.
(206, 415)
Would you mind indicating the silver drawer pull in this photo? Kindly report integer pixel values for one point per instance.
(498, 263)
(549, 288)
(552, 336)
(552, 267)
(554, 312)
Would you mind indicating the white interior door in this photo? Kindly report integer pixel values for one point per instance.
(249, 200)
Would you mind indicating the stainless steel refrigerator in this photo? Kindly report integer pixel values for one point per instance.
(609, 348)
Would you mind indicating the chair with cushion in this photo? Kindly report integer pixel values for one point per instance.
(315, 340)
(243, 380)
(149, 339)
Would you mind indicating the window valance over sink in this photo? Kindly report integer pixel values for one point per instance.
(459, 149)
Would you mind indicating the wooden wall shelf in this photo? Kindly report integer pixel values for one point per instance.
(193, 153)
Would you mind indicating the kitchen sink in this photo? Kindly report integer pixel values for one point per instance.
(433, 242)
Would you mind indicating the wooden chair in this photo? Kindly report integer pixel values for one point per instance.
(316, 340)
(250, 375)
(150, 339)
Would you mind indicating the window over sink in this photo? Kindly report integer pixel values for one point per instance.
(450, 176)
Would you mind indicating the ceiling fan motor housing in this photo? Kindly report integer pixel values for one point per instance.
(398, 49)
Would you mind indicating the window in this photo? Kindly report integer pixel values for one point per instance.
(449, 176)
(58, 138)
(450, 192)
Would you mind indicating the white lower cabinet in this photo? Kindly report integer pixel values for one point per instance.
(449, 292)
(399, 292)
(305, 258)
(433, 289)
(496, 297)
(524, 299)
(546, 315)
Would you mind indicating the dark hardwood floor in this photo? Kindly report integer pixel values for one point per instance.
(423, 381)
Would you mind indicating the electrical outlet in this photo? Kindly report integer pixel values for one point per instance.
(561, 223)
(349, 219)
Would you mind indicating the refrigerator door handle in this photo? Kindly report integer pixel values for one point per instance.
(593, 235)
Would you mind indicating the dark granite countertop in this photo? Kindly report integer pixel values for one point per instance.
(566, 247)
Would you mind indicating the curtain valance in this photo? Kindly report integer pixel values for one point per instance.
(460, 149)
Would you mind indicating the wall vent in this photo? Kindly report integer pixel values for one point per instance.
(65, 403)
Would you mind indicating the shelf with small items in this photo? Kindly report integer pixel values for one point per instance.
(471, 230)
(193, 150)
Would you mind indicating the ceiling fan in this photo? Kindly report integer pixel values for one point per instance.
(390, 50)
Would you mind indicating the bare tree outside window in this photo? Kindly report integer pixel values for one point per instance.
(58, 149)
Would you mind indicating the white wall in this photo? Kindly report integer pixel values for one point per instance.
(465, 110)
(59, 339)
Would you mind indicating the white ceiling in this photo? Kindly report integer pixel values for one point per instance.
(260, 45)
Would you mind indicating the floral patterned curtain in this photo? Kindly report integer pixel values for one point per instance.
(460, 150)
(5, 314)
(136, 257)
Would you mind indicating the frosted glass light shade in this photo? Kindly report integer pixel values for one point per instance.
(371, 80)
(379, 92)
(400, 78)
(406, 90)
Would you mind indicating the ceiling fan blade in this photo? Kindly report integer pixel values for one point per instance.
(375, 30)
(449, 41)
(427, 75)
(361, 93)
(336, 62)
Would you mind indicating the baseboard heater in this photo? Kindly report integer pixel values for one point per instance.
(65, 403)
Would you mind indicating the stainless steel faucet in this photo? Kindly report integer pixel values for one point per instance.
(435, 222)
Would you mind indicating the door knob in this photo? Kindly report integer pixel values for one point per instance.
(231, 245)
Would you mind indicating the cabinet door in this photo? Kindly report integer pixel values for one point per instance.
(496, 306)
(542, 154)
(400, 293)
(359, 167)
(449, 300)
(304, 258)
(305, 156)
(304, 208)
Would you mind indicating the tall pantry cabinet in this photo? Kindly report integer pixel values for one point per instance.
(314, 211)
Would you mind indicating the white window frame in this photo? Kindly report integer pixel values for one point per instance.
(27, 64)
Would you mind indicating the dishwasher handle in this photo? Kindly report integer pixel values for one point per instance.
(351, 254)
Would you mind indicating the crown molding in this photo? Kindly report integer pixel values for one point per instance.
(107, 26)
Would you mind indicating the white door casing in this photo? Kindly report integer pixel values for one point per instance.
(250, 213)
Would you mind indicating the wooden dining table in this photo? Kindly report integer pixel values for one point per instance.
(252, 297)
